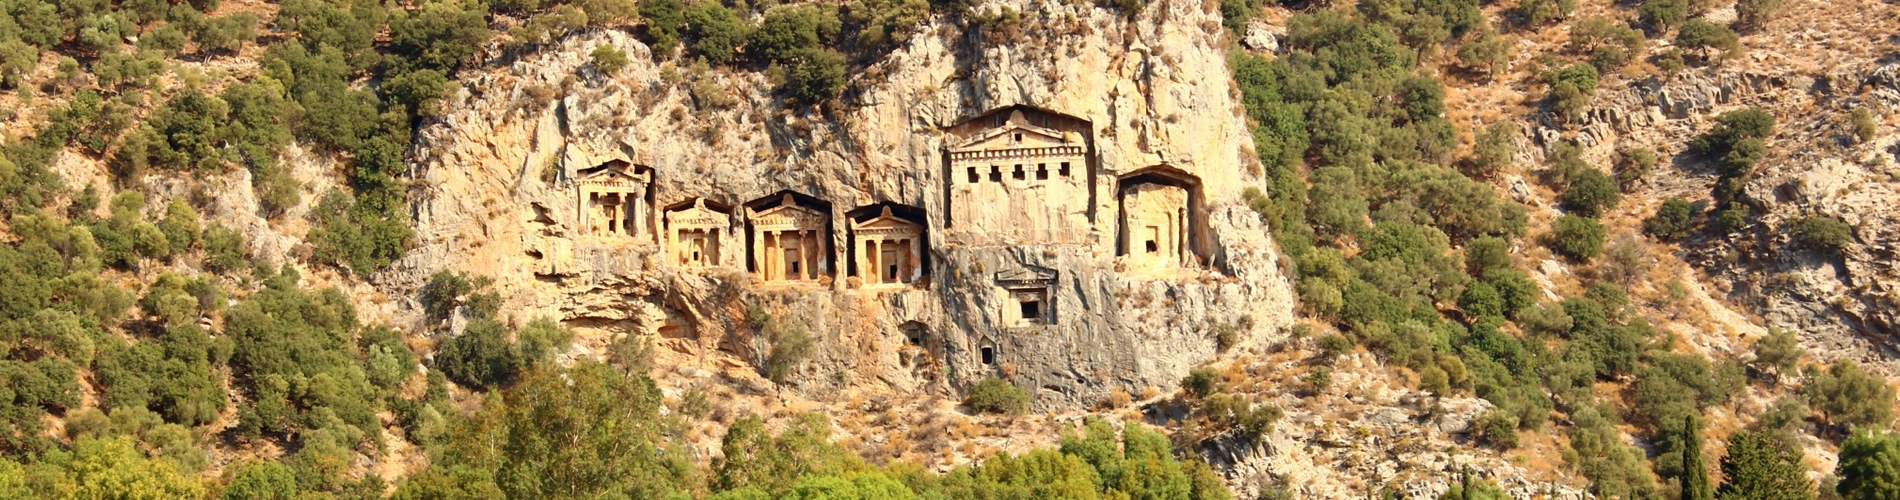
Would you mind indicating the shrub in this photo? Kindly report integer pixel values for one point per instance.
(1487, 52)
(1731, 219)
(1864, 126)
(1577, 237)
(438, 35)
(717, 32)
(663, 19)
(1669, 61)
(1494, 149)
(226, 33)
(791, 32)
(1779, 352)
(1672, 220)
(1848, 396)
(1704, 36)
(1633, 166)
(1756, 13)
(1542, 11)
(882, 22)
(1609, 43)
(1201, 382)
(1869, 466)
(1497, 429)
(815, 77)
(1331, 346)
(1481, 300)
(1661, 15)
(995, 395)
(1591, 193)
(1824, 233)
(608, 60)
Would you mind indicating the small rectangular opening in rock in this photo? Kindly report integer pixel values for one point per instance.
(1018, 173)
(989, 355)
(1042, 171)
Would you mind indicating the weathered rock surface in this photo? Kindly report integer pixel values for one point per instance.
(499, 198)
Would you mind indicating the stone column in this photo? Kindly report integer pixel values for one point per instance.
(916, 269)
(867, 261)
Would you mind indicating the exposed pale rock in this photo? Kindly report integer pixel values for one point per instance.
(1019, 252)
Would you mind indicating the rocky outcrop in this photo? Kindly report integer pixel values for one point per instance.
(1147, 99)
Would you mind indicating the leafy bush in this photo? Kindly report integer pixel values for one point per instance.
(1633, 167)
(1661, 15)
(1610, 44)
(815, 76)
(881, 22)
(1869, 466)
(1591, 193)
(608, 60)
(1201, 382)
(1579, 238)
(1864, 125)
(1544, 11)
(1672, 220)
(1704, 36)
(1779, 352)
(437, 35)
(995, 395)
(1848, 396)
(790, 32)
(717, 32)
(1756, 13)
(663, 19)
(1825, 233)
(1486, 52)
(1494, 149)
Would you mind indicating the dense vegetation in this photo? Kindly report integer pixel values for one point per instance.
(1349, 133)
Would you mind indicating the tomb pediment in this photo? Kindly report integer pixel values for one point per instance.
(1015, 134)
(788, 217)
(697, 216)
(887, 225)
(1026, 276)
(616, 174)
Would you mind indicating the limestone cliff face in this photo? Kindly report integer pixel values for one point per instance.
(1841, 305)
(1032, 271)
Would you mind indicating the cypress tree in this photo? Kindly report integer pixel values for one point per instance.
(1695, 478)
(1756, 468)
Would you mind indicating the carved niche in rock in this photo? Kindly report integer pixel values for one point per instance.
(887, 247)
(615, 200)
(790, 237)
(1031, 301)
(694, 230)
(1020, 175)
(1159, 209)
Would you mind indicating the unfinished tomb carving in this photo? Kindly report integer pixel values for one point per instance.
(1159, 207)
(694, 230)
(790, 237)
(1029, 300)
(1021, 175)
(887, 247)
(615, 200)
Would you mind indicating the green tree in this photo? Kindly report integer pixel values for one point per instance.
(717, 32)
(260, 480)
(438, 35)
(1591, 193)
(1706, 37)
(585, 430)
(663, 19)
(1543, 11)
(1695, 477)
(1757, 468)
(1869, 466)
(1577, 237)
(815, 76)
(1756, 13)
(110, 468)
(1779, 352)
(1848, 396)
(1672, 221)
(1494, 149)
(1663, 15)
